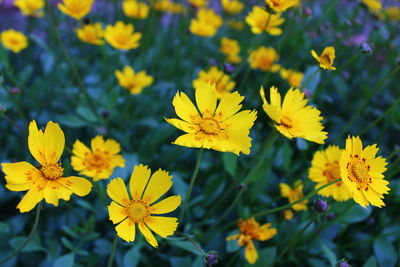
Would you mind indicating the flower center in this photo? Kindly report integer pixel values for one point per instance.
(210, 126)
(287, 122)
(138, 211)
(97, 161)
(52, 171)
(326, 60)
(332, 171)
(360, 172)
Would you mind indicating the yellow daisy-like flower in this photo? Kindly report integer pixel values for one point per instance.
(206, 24)
(263, 58)
(223, 83)
(140, 208)
(260, 20)
(198, 3)
(122, 36)
(76, 9)
(326, 59)
(232, 7)
(135, 9)
(46, 181)
(293, 117)
(325, 169)
(32, 8)
(231, 49)
(281, 5)
(91, 34)
(251, 230)
(288, 214)
(14, 40)
(362, 173)
(393, 13)
(216, 127)
(294, 194)
(293, 77)
(373, 5)
(99, 161)
(134, 82)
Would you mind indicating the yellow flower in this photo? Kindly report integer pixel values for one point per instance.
(198, 3)
(293, 77)
(281, 5)
(133, 82)
(294, 195)
(169, 7)
(223, 83)
(91, 34)
(393, 13)
(135, 9)
(263, 58)
(14, 40)
(220, 128)
(288, 214)
(138, 209)
(121, 36)
(209, 16)
(362, 173)
(98, 163)
(373, 5)
(32, 8)
(232, 6)
(76, 9)
(46, 181)
(206, 23)
(251, 230)
(325, 169)
(293, 118)
(326, 59)
(231, 49)
(260, 20)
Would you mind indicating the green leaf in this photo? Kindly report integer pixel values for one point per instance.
(385, 252)
(266, 257)
(65, 261)
(72, 121)
(4, 228)
(131, 257)
(329, 255)
(33, 244)
(311, 78)
(371, 262)
(86, 114)
(230, 163)
(186, 245)
(355, 214)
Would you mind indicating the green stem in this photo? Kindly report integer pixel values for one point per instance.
(29, 237)
(195, 244)
(113, 250)
(99, 190)
(394, 153)
(303, 86)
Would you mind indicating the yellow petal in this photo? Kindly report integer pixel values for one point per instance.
(357, 146)
(206, 98)
(250, 253)
(116, 212)
(116, 190)
(285, 189)
(265, 232)
(183, 125)
(229, 105)
(163, 226)
(160, 182)
(55, 191)
(189, 140)
(20, 175)
(126, 230)
(360, 199)
(77, 164)
(315, 55)
(53, 142)
(166, 205)
(78, 185)
(80, 150)
(380, 186)
(232, 237)
(373, 198)
(32, 197)
(35, 143)
(112, 146)
(139, 179)
(97, 143)
(184, 107)
(148, 235)
(243, 120)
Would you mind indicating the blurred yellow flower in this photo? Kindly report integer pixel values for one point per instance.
(127, 211)
(206, 23)
(216, 127)
(32, 8)
(325, 169)
(293, 118)
(294, 194)
(45, 181)
(76, 9)
(326, 59)
(99, 162)
(134, 82)
(260, 20)
(263, 58)
(288, 214)
(231, 49)
(223, 83)
(393, 13)
(169, 7)
(135, 9)
(122, 36)
(198, 3)
(251, 230)
(91, 34)
(362, 173)
(281, 5)
(293, 77)
(14, 40)
(232, 6)
(373, 5)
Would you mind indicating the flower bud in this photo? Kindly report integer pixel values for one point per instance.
(330, 216)
(320, 205)
(105, 113)
(343, 263)
(229, 68)
(307, 12)
(211, 258)
(307, 93)
(15, 91)
(101, 130)
(213, 62)
(366, 48)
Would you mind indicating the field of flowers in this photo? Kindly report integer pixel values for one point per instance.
(200, 133)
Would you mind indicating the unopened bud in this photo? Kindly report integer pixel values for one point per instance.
(343, 263)
(211, 258)
(213, 62)
(330, 216)
(307, 93)
(320, 205)
(366, 48)
(229, 68)
(307, 12)
(105, 114)
(102, 130)
(15, 91)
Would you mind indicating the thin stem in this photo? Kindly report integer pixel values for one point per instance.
(13, 123)
(99, 190)
(113, 250)
(29, 237)
(393, 154)
(195, 244)
(309, 79)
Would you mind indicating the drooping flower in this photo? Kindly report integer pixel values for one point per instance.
(326, 59)
(134, 82)
(33, 8)
(294, 194)
(362, 173)
(122, 36)
(293, 77)
(223, 83)
(232, 7)
(139, 208)
(325, 169)
(231, 49)
(263, 58)
(47, 181)
(251, 230)
(135, 9)
(76, 9)
(198, 3)
(260, 20)
(281, 5)
(216, 127)
(294, 118)
(91, 34)
(14, 40)
(206, 23)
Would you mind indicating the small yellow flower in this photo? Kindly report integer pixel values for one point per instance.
(362, 173)
(122, 36)
(260, 20)
(326, 59)
(294, 118)
(288, 214)
(216, 127)
(373, 5)
(232, 6)
(263, 58)
(99, 162)
(46, 181)
(325, 169)
(223, 83)
(169, 7)
(198, 3)
(202, 29)
(281, 5)
(138, 208)
(251, 230)
(135, 83)
(91, 34)
(393, 13)
(293, 77)
(135, 9)
(76, 9)
(32, 8)
(231, 49)
(294, 195)
(14, 40)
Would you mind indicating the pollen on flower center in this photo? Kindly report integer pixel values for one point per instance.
(52, 171)
(326, 59)
(210, 126)
(97, 161)
(360, 171)
(138, 211)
